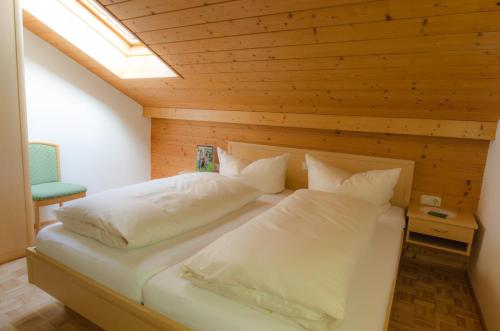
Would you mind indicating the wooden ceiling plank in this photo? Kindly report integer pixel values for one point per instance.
(110, 2)
(458, 42)
(329, 16)
(424, 59)
(452, 24)
(140, 8)
(333, 99)
(294, 19)
(274, 71)
(443, 97)
(227, 11)
(458, 86)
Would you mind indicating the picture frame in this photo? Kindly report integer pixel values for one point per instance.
(205, 158)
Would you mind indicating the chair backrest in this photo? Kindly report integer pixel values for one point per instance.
(44, 162)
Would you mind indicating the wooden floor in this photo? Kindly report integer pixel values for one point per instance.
(427, 299)
(25, 307)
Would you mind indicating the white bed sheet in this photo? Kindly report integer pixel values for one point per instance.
(125, 271)
(370, 294)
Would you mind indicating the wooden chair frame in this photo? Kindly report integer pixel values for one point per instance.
(113, 311)
(37, 204)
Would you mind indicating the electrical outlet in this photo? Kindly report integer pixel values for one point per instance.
(430, 200)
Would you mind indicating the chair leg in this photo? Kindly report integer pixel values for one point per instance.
(60, 204)
(36, 212)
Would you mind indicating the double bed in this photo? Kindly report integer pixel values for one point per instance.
(141, 289)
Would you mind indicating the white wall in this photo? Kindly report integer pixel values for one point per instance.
(485, 266)
(104, 139)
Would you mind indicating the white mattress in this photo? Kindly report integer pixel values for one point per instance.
(371, 292)
(125, 271)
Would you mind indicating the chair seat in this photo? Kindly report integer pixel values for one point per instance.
(53, 190)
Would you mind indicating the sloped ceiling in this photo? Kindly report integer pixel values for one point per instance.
(403, 58)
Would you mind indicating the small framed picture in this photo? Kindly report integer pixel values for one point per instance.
(205, 158)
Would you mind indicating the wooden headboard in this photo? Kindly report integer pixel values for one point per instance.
(296, 176)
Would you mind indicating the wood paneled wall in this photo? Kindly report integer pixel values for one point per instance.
(452, 168)
(425, 59)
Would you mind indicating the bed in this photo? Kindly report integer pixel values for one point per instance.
(113, 310)
(125, 271)
(371, 293)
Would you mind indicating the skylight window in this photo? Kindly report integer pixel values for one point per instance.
(88, 26)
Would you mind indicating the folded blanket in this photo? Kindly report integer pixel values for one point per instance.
(145, 213)
(294, 261)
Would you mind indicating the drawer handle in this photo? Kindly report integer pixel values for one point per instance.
(440, 231)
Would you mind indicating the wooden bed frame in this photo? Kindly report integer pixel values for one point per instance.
(113, 311)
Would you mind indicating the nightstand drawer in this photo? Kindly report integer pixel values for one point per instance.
(441, 230)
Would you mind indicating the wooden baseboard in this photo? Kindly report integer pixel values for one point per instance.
(12, 255)
(476, 302)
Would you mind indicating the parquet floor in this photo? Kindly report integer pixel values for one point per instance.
(24, 307)
(433, 298)
(427, 299)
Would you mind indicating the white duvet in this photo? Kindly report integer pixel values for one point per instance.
(145, 213)
(295, 261)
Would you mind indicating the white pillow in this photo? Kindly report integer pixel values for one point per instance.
(375, 186)
(267, 175)
(230, 165)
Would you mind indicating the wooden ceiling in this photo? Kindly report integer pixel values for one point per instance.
(436, 59)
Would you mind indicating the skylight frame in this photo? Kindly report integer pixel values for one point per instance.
(101, 13)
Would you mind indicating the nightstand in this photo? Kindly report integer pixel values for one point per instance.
(452, 234)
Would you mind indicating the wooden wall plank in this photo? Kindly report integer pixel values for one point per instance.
(422, 127)
(459, 183)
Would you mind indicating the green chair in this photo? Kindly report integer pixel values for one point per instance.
(46, 186)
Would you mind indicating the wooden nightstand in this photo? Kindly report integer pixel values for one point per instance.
(448, 234)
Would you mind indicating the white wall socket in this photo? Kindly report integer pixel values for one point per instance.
(430, 200)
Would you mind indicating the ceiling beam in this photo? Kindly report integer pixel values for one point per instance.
(404, 126)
